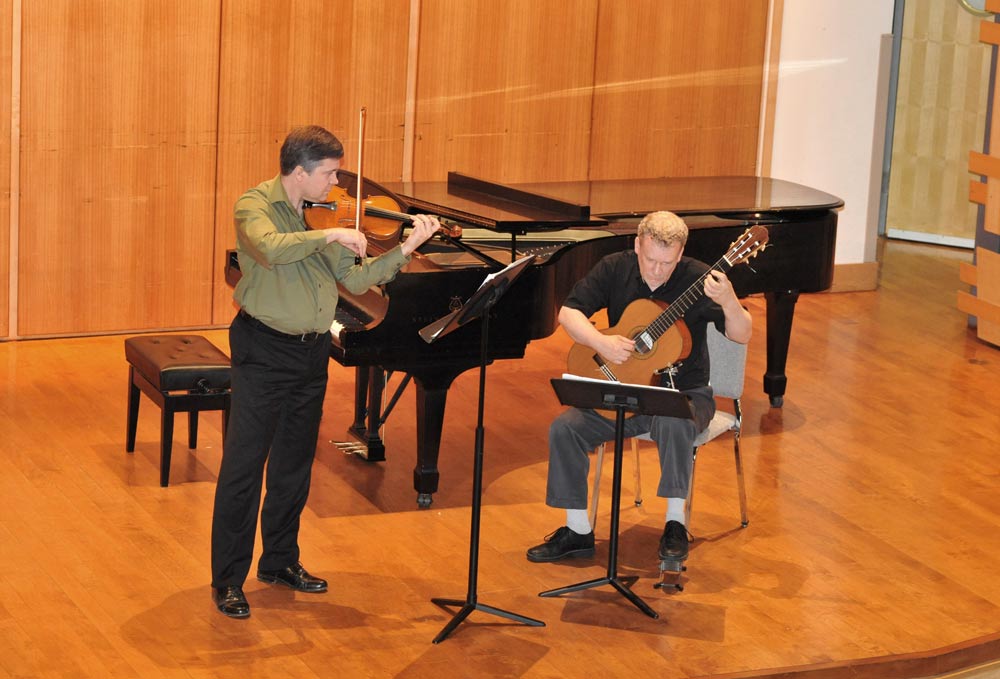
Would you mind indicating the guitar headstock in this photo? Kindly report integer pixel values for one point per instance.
(747, 246)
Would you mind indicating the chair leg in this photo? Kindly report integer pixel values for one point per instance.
(166, 442)
(689, 501)
(192, 429)
(595, 493)
(740, 482)
(638, 473)
(132, 418)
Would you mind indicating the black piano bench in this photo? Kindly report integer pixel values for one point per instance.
(179, 373)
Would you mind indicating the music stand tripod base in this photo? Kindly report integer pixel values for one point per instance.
(468, 607)
(623, 585)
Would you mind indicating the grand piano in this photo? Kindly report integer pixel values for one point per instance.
(568, 226)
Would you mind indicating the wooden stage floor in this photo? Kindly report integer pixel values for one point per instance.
(872, 549)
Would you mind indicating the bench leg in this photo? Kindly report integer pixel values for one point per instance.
(193, 429)
(133, 411)
(166, 442)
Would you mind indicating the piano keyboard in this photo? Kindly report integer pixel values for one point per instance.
(348, 319)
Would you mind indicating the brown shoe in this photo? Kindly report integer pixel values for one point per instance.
(564, 543)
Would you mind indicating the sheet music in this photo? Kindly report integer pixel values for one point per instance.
(433, 330)
(439, 326)
(504, 270)
(568, 376)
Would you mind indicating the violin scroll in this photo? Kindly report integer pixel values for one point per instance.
(449, 229)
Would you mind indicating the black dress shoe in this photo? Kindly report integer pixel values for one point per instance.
(674, 542)
(563, 544)
(231, 601)
(294, 576)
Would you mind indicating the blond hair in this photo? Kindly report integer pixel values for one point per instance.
(664, 227)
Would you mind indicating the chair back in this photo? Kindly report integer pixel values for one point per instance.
(729, 360)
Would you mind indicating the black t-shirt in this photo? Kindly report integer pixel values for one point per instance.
(615, 281)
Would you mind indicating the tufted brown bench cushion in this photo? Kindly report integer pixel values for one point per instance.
(178, 362)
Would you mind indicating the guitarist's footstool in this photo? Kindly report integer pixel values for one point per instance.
(179, 373)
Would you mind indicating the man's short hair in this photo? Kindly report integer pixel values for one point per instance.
(664, 227)
(308, 146)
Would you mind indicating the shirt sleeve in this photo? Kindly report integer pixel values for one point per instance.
(260, 237)
(591, 293)
(373, 271)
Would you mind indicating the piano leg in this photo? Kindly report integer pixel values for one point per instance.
(431, 394)
(780, 310)
(431, 397)
(369, 382)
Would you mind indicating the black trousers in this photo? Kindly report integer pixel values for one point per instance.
(278, 387)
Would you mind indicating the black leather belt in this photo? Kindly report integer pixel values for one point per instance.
(264, 327)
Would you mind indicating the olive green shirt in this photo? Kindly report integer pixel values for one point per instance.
(289, 272)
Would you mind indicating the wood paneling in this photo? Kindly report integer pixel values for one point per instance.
(118, 115)
(6, 59)
(300, 63)
(505, 89)
(143, 121)
(677, 88)
(528, 91)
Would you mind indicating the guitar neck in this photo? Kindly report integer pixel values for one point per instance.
(680, 306)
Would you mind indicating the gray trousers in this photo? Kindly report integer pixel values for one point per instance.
(577, 431)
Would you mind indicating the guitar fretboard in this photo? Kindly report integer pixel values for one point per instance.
(679, 307)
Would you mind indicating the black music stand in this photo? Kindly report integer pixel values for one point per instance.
(581, 392)
(478, 306)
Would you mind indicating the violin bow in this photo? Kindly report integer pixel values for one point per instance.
(359, 200)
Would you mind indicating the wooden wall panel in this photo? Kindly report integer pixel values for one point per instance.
(142, 121)
(677, 88)
(5, 159)
(299, 63)
(505, 89)
(118, 116)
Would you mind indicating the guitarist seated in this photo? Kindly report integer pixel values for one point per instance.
(656, 270)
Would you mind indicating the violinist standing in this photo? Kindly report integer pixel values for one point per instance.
(280, 346)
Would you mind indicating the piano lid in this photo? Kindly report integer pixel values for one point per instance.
(622, 198)
(499, 207)
(619, 198)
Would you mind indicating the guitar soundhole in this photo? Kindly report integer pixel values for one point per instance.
(643, 343)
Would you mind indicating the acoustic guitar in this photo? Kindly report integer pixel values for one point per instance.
(658, 330)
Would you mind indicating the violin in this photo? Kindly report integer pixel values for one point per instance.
(380, 219)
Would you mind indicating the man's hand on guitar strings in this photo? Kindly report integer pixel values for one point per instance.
(616, 349)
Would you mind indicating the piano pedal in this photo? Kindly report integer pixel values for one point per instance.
(352, 448)
(670, 574)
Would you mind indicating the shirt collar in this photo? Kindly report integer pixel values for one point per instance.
(276, 192)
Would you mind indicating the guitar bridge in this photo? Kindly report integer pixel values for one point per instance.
(670, 371)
